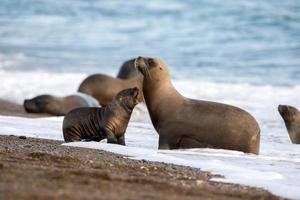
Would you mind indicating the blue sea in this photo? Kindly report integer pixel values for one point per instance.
(249, 41)
(241, 52)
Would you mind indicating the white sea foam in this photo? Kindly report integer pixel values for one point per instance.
(91, 101)
(16, 86)
(275, 169)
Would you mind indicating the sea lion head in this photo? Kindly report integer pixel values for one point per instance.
(128, 98)
(288, 113)
(42, 104)
(153, 68)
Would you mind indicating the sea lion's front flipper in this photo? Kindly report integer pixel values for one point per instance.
(163, 143)
(111, 138)
(121, 140)
(94, 138)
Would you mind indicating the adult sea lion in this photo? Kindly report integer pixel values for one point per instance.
(291, 118)
(127, 70)
(98, 123)
(58, 106)
(104, 88)
(187, 123)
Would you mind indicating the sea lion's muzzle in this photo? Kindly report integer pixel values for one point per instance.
(29, 106)
(282, 109)
(135, 94)
(141, 65)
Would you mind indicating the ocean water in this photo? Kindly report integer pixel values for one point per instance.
(254, 41)
(245, 53)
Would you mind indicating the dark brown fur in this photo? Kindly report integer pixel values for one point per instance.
(186, 123)
(127, 70)
(291, 117)
(104, 88)
(57, 106)
(98, 123)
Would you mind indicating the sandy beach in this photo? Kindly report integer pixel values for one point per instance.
(34, 169)
(37, 168)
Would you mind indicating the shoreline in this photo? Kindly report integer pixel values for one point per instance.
(40, 168)
(26, 164)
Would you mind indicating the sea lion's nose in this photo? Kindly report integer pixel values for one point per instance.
(25, 105)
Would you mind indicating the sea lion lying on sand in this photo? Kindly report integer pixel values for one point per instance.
(58, 106)
(10, 108)
(95, 124)
(291, 117)
(127, 70)
(187, 123)
(104, 88)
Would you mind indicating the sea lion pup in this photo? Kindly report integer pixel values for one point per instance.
(127, 70)
(58, 106)
(95, 124)
(104, 88)
(291, 118)
(188, 123)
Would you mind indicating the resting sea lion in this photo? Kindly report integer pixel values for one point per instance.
(127, 70)
(104, 88)
(10, 108)
(187, 123)
(291, 117)
(58, 106)
(98, 123)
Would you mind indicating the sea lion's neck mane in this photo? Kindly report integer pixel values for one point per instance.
(110, 108)
(160, 94)
(116, 116)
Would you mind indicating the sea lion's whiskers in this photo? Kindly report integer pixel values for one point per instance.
(148, 73)
(144, 69)
(135, 66)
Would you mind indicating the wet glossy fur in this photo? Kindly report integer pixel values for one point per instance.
(98, 123)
